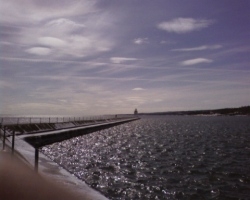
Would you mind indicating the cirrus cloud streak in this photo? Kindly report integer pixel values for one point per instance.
(40, 51)
(200, 48)
(118, 60)
(196, 61)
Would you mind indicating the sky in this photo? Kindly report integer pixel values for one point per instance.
(95, 57)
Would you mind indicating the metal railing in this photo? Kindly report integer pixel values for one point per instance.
(37, 120)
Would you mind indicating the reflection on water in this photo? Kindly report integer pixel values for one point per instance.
(163, 157)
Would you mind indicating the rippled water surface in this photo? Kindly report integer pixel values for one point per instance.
(163, 157)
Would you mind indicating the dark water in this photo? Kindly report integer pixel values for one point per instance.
(163, 157)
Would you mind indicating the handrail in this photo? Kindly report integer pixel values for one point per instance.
(37, 120)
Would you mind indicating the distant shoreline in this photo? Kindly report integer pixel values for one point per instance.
(245, 110)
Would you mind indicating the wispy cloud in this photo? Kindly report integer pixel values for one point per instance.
(200, 48)
(118, 60)
(42, 60)
(55, 26)
(135, 99)
(167, 42)
(63, 22)
(71, 39)
(138, 89)
(141, 40)
(184, 25)
(41, 51)
(6, 84)
(157, 100)
(51, 41)
(196, 61)
(29, 11)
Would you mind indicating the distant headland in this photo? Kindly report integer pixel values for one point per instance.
(245, 110)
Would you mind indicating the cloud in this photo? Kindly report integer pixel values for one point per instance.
(138, 89)
(67, 40)
(137, 100)
(141, 40)
(51, 41)
(118, 60)
(196, 61)
(184, 25)
(163, 42)
(5, 84)
(41, 51)
(63, 22)
(200, 48)
(63, 27)
(57, 27)
(5, 43)
(157, 100)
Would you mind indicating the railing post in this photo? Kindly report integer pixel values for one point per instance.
(4, 136)
(36, 159)
(30, 120)
(13, 141)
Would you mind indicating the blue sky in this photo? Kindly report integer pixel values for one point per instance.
(87, 57)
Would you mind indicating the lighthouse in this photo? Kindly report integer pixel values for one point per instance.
(135, 112)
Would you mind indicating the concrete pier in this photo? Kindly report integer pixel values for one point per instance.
(26, 148)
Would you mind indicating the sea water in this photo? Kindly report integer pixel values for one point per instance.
(163, 157)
